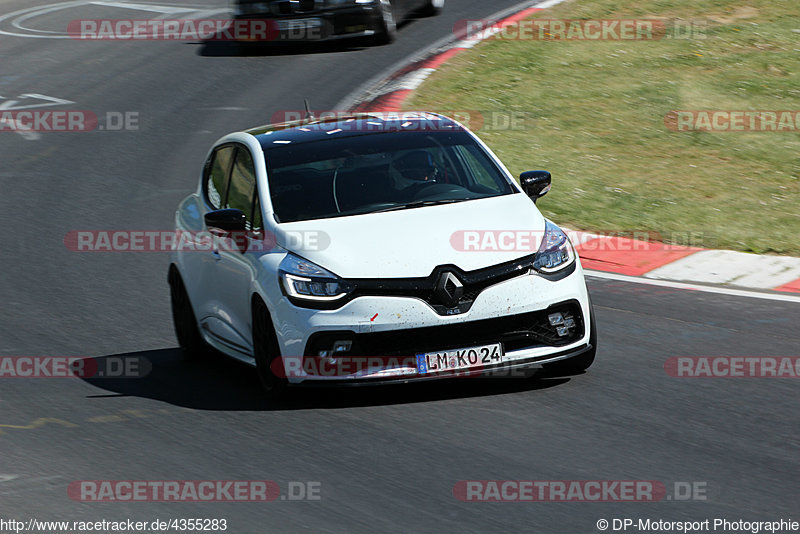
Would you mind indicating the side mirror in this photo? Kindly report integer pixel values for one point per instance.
(536, 184)
(228, 220)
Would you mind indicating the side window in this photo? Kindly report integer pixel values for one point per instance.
(257, 225)
(217, 180)
(243, 185)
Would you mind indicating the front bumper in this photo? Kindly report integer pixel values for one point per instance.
(318, 25)
(522, 368)
(513, 312)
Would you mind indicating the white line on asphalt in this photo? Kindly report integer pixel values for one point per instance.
(41, 10)
(18, 17)
(52, 101)
(143, 7)
(693, 287)
(16, 125)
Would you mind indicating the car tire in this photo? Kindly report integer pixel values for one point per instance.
(189, 339)
(266, 350)
(387, 26)
(576, 364)
(433, 7)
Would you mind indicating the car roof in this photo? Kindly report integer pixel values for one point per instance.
(350, 125)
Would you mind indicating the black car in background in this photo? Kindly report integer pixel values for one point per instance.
(321, 20)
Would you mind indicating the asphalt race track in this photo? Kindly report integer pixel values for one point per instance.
(385, 459)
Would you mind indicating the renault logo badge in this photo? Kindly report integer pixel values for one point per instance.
(449, 289)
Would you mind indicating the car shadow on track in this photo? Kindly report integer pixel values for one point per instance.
(218, 46)
(231, 49)
(218, 383)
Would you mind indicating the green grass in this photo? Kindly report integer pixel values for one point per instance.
(594, 116)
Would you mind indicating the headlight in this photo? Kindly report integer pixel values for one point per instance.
(306, 281)
(556, 252)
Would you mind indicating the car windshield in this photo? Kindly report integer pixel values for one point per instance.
(379, 172)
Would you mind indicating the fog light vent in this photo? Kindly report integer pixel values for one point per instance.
(564, 323)
(339, 347)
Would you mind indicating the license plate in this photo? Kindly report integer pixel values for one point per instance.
(457, 359)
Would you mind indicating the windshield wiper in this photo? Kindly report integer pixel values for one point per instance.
(420, 204)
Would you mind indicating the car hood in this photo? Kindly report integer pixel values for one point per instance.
(411, 243)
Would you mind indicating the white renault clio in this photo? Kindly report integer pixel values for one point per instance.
(373, 248)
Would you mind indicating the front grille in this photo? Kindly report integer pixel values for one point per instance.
(474, 282)
(515, 332)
